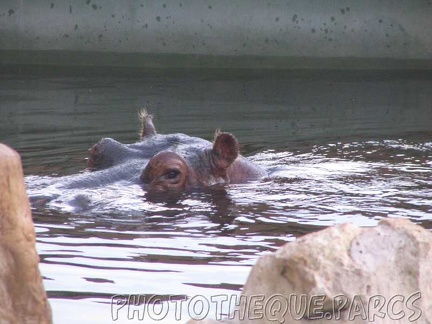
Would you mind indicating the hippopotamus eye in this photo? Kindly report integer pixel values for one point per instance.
(172, 174)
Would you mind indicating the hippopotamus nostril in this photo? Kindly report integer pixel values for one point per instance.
(106, 153)
(94, 158)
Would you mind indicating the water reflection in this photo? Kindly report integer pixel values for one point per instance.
(205, 241)
(339, 147)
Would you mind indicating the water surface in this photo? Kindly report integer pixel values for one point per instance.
(342, 147)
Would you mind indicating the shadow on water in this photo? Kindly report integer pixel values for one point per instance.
(341, 147)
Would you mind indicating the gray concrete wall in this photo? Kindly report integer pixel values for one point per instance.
(312, 29)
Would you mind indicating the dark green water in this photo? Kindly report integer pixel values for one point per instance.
(343, 147)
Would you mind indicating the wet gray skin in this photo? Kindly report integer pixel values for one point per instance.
(111, 161)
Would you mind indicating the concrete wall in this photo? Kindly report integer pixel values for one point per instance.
(314, 29)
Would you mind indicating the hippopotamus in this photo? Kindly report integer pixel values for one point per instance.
(165, 163)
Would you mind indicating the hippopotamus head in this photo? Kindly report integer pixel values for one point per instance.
(174, 162)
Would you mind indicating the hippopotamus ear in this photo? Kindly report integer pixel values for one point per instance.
(225, 150)
(147, 127)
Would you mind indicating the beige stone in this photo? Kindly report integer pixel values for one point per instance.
(348, 273)
(22, 296)
(344, 274)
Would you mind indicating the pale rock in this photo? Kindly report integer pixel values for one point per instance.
(344, 274)
(22, 296)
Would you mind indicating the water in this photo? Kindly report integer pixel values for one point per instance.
(342, 147)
